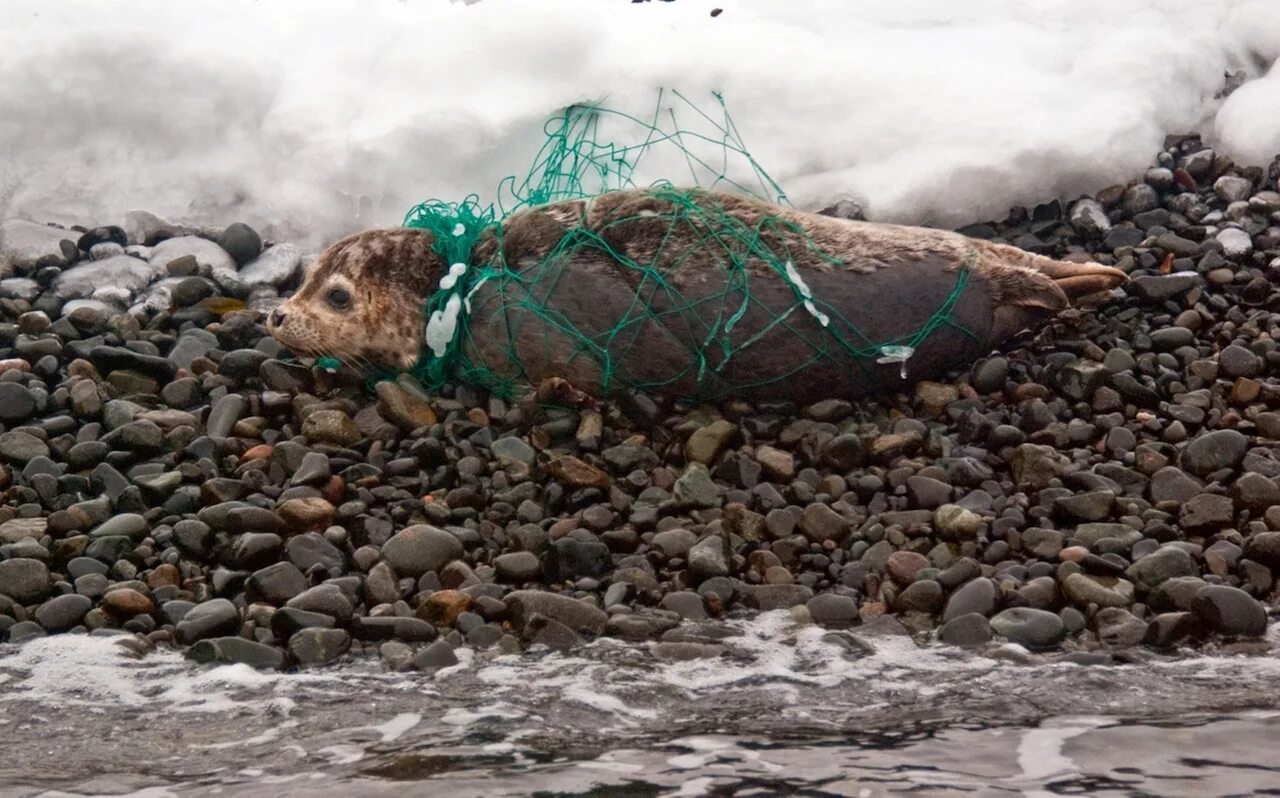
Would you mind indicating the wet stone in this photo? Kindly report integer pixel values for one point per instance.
(236, 650)
(686, 604)
(708, 558)
(24, 580)
(63, 612)
(276, 583)
(517, 566)
(577, 615)
(1032, 628)
(1230, 611)
(820, 523)
(1214, 451)
(570, 558)
(417, 549)
(1165, 563)
(1206, 511)
(829, 609)
(966, 630)
(1119, 628)
(318, 646)
(210, 619)
(976, 596)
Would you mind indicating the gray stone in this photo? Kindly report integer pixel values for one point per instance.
(577, 615)
(313, 550)
(517, 566)
(16, 402)
(1119, 628)
(130, 525)
(241, 242)
(191, 345)
(317, 646)
(1237, 361)
(63, 612)
(24, 580)
(695, 488)
(1084, 590)
(975, 596)
(708, 558)
(1089, 219)
(1029, 627)
(417, 549)
(224, 415)
(1205, 512)
(1171, 484)
(277, 583)
(820, 523)
(830, 609)
(966, 630)
(1165, 563)
(20, 447)
(1158, 288)
(674, 542)
(236, 650)
(685, 603)
(1214, 451)
(1231, 188)
(1230, 611)
(775, 597)
(210, 619)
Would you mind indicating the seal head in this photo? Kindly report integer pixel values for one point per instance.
(361, 301)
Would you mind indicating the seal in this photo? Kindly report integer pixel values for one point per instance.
(692, 293)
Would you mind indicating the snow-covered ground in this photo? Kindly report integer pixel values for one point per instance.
(311, 116)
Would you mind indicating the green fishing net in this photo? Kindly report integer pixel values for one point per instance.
(591, 150)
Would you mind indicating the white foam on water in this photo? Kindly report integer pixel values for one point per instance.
(342, 753)
(310, 116)
(395, 728)
(78, 669)
(1040, 754)
(606, 702)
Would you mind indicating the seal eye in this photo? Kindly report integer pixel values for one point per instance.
(338, 298)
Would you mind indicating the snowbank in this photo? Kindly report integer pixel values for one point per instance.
(310, 116)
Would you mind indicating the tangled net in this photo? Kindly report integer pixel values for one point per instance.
(522, 305)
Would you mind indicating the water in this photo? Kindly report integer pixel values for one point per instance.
(782, 710)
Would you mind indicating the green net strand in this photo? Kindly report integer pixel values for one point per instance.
(579, 161)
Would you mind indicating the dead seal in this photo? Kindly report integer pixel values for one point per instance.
(690, 293)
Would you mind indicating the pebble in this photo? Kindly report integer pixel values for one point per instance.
(1230, 611)
(314, 646)
(967, 630)
(417, 549)
(236, 650)
(24, 580)
(1032, 628)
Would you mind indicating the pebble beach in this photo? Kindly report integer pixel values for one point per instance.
(1106, 489)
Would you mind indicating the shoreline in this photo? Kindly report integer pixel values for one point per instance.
(1109, 482)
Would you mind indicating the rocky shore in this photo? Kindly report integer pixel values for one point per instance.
(1109, 486)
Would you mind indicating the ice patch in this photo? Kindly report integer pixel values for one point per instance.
(123, 272)
(208, 255)
(301, 116)
(276, 266)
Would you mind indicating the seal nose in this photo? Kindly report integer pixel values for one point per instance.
(277, 317)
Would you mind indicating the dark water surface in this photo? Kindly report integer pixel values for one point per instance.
(785, 710)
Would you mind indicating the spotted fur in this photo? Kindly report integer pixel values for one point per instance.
(391, 272)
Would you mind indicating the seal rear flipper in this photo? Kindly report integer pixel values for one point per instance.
(1080, 281)
(1020, 298)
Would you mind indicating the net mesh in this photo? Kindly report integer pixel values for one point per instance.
(512, 313)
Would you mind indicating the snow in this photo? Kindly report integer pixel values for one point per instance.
(320, 117)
